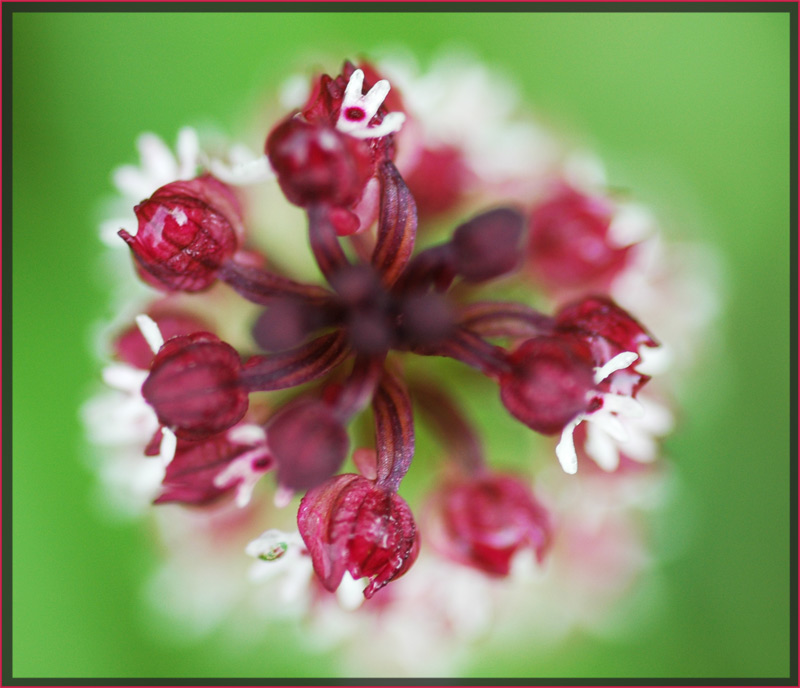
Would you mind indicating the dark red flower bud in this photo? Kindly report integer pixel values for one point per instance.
(483, 520)
(194, 386)
(132, 347)
(308, 442)
(599, 317)
(350, 524)
(437, 180)
(186, 231)
(316, 163)
(569, 243)
(548, 382)
(488, 246)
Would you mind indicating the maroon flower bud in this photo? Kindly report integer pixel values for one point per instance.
(548, 382)
(488, 246)
(598, 317)
(132, 347)
(437, 180)
(316, 163)
(350, 524)
(483, 520)
(569, 243)
(194, 386)
(308, 442)
(186, 231)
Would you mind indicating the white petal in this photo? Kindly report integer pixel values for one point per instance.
(622, 404)
(374, 99)
(601, 448)
(654, 360)
(169, 443)
(158, 163)
(247, 433)
(353, 91)
(149, 329)
(565, 449)
(243, 173)
(124, 377)
(283, 497)
(631, 224)
(132, 183)
(610, 424)
(188, 151)
(350, 593)
(390, 124)
(619, 362)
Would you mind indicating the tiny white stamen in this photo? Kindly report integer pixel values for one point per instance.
(150, 332)
(618, 362)
(565, 449)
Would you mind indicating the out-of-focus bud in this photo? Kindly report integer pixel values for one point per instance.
(308, 442)
(488, 246)
(569, 244)
(483, 520)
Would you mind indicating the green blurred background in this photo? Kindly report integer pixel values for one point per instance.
(690, 110)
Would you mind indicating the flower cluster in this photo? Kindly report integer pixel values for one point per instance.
(371, 176)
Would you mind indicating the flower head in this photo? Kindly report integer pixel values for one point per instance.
(266, 407)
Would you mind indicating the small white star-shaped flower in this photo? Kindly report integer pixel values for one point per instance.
(359, 108)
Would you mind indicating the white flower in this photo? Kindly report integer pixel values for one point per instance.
(282, 559)
(607, 417)
(358, 109)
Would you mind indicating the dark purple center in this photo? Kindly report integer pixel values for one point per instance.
(354, 114)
